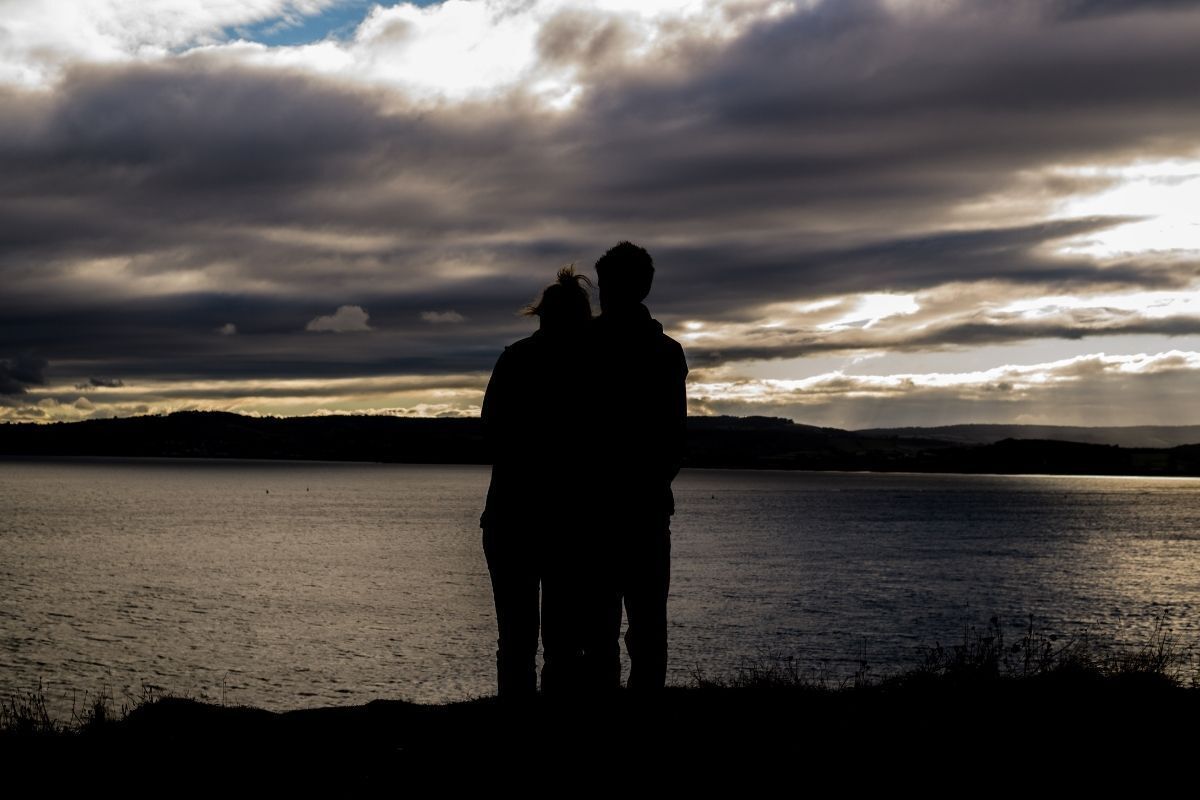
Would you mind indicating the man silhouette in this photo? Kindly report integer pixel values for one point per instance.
(640, 407)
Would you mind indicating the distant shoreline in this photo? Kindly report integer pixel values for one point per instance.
(194, 460)
(741, 443)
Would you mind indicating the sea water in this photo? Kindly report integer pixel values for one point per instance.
(286, 584)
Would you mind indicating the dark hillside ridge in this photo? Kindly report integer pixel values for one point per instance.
(716, 442)
(1130, 436)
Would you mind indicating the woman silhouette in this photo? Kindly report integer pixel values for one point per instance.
(531, 420)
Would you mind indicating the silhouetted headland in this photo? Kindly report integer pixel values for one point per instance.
(712, 442)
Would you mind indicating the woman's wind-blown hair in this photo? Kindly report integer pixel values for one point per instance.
(565, 303)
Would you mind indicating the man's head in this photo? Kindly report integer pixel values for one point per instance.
(625, 273)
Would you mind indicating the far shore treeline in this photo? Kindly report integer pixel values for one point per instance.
(713, 442)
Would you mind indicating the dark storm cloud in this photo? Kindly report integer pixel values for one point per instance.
(17, 374)
(823, 152)
(1015, 255)
(1095, 8)
(133, 160)
(140, 338)
(1077, 328)
(984, 332)
(102, 383)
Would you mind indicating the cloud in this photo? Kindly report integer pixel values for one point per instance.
(418, 410)
(1076, 391)
(412, 395)
(292, 388)
(23, 414)
(1070, 9)
(228, 329)
(1091, 389)
(100, 383)
(951, 316)
(39, 40)
(345, 320)
(165, 179)
(18, 374)
(442, 317)
(545, 49)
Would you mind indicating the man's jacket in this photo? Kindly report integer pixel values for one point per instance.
(639, 408)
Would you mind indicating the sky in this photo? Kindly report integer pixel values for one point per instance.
(862, 213)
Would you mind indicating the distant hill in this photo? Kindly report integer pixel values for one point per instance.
(731, 442)
(215, 434)
(1134, 436)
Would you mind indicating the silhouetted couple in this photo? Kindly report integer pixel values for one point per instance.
(585, 419)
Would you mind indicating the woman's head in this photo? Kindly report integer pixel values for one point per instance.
(564, 304)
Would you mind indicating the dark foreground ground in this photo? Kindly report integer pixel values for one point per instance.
(989, 716)
(937, 733)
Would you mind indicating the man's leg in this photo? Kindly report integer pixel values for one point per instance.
(562, 623)
(600, 621)
(515, 588)
(647, 577)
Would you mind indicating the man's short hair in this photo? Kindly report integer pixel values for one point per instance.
(626, 272)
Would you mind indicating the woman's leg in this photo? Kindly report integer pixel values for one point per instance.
(514, 574)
